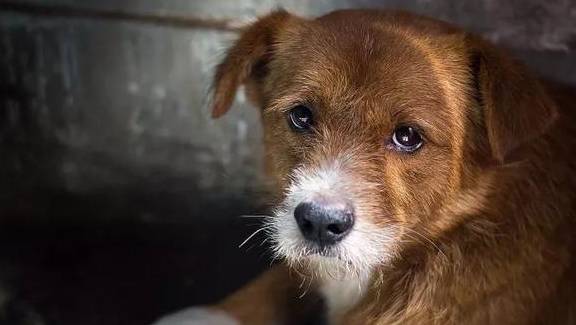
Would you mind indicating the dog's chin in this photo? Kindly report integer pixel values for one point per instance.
(354, 257)
(322, 263)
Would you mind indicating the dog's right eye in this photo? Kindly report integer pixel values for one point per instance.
(300, 118)
(407, 139)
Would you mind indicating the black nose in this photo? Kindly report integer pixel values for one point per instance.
(324, 222)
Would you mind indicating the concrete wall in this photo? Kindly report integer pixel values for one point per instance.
(125, 102)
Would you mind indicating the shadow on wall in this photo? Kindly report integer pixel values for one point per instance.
(110, 241)
(118, 201)
(105, 256)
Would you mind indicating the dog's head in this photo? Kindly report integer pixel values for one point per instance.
(382, 129)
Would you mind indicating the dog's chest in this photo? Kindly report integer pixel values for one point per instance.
(341, 295)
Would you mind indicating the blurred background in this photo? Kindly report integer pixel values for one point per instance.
(119, 196)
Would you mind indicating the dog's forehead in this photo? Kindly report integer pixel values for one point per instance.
(363, 60)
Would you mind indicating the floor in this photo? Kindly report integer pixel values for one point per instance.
(67, 260)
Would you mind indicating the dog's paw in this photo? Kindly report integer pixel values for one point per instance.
(197, 316)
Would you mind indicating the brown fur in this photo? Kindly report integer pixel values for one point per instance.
(491, 194)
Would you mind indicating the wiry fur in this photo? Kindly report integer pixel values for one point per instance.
(366, 247)
(476, 227)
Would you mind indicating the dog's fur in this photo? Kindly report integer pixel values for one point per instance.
(476, 227)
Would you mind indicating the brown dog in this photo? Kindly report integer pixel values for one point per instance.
(421, 176)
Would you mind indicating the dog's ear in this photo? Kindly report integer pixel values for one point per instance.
(515, 105)
(246, 61)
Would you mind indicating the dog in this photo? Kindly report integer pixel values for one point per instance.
(419, 174)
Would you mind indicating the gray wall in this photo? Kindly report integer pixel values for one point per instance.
(125, 101)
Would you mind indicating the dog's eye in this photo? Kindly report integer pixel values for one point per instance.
(406, 138)
(300, 118)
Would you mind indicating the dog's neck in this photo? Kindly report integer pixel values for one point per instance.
(341, 295)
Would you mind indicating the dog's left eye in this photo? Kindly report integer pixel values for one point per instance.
(300, 118)
(407, 138)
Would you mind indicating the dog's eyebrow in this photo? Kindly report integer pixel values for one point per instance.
(284, 103)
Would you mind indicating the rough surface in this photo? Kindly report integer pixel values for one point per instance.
(118, 193)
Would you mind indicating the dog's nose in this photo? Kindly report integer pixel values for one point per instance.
(324, 222)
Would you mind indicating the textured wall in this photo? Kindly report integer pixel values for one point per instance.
(126, 101)
(123, 101)
(118, 193)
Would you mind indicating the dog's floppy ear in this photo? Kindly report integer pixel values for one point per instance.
(516, 106)
(246, 61)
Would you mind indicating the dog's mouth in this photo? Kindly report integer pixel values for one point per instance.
(325, 251)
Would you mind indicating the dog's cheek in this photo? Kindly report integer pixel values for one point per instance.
(280, 156)
(427, 182)
(279, 167)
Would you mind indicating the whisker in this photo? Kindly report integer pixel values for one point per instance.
(428, 240)
(406, 230)
(263, 242)
(307, 288)
(256, 216)
(252, 235)
(273, 259)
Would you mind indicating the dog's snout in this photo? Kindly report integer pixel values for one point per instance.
(324, 222)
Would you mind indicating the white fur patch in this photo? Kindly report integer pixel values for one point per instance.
(197, 316)
(352, 259)
(341, 295)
